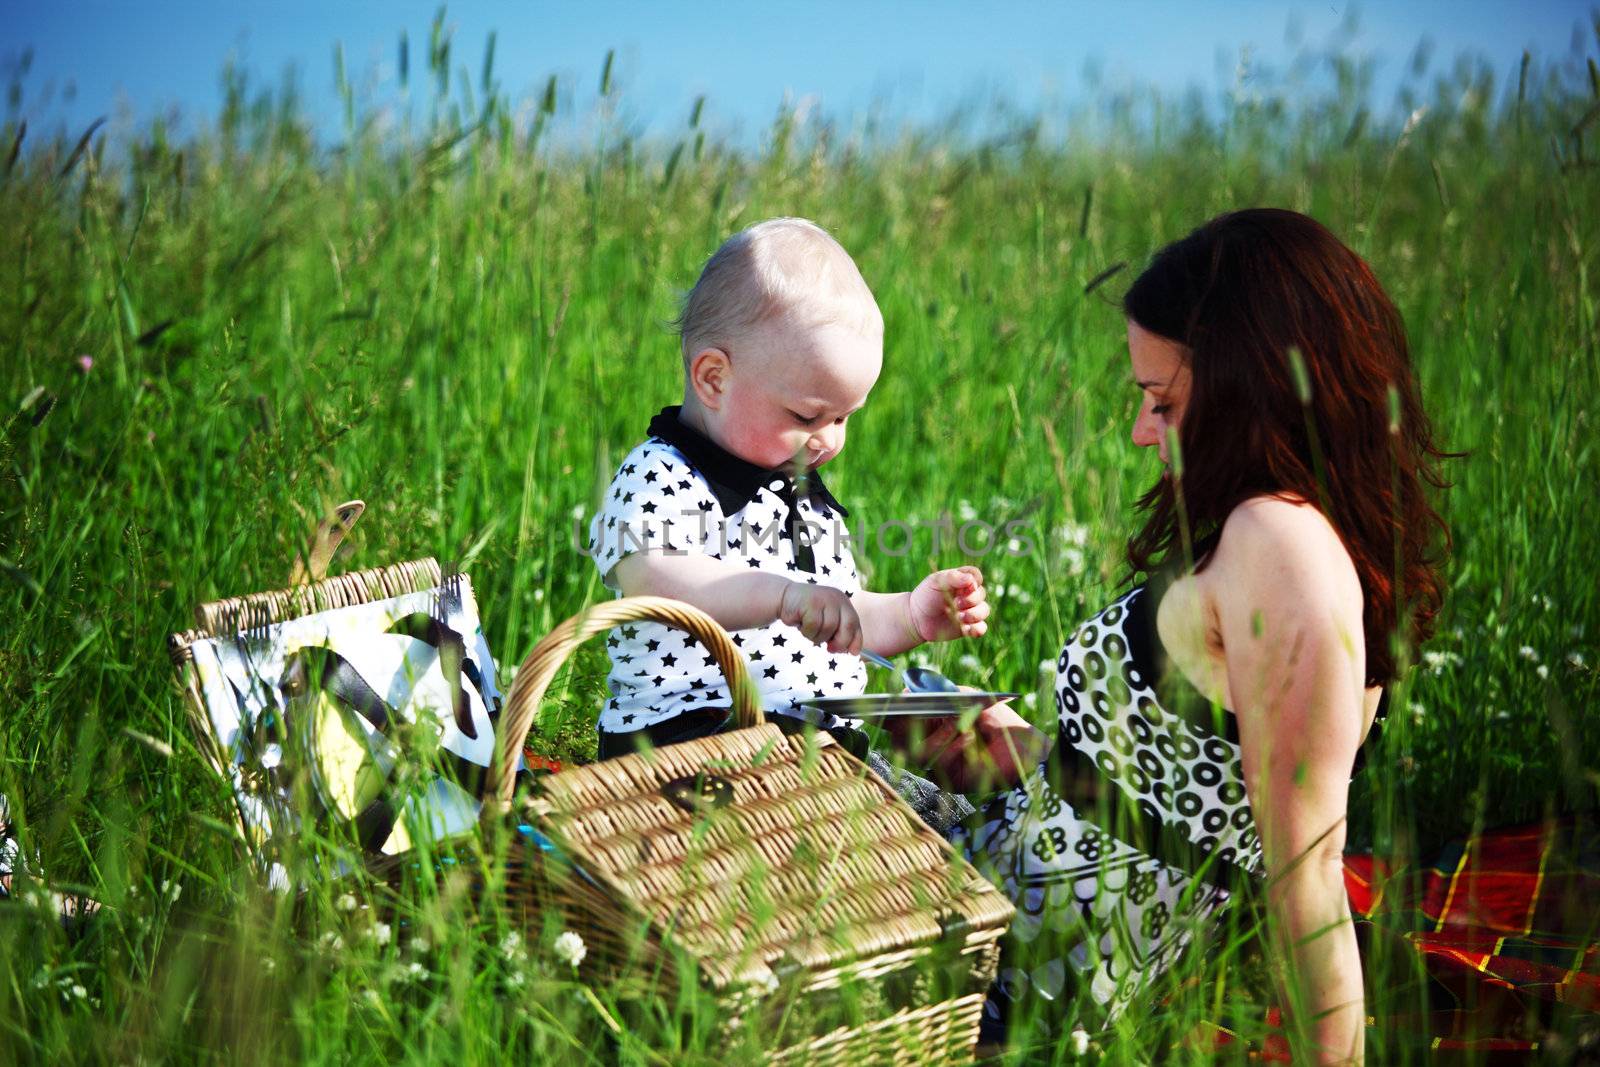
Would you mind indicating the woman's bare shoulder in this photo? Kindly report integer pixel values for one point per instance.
(1274, 539)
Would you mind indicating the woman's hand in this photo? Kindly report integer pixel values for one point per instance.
(995, 750)
(950, 604)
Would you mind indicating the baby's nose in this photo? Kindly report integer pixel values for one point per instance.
(828, 439)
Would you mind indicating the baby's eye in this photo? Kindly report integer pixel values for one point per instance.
(803, 420)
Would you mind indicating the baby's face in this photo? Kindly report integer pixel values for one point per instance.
(791, 390)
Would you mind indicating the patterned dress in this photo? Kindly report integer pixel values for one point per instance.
(1125, 842)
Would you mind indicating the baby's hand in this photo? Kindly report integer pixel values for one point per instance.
(950, 604)
(824, 614)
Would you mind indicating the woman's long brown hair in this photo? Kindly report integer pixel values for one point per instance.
(1302, 388)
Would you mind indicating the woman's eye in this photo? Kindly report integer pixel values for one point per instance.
(1160, 409)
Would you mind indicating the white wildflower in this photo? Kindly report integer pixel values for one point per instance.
(380, 933)
(1047, 666)
(577, 511)
(1074, 559)
(1527, 653)
(965, 511)
(1019, 594)
(513, 948)
(78, 992)
(1543, 671)
(1079, 1041)
(516, 980)
(1544, 602)
(1575, 659)
(570, 949)
(1073, 533)
(268, 965)
(414, 972)
(538, 595)
(347, 902)
(1030, 699)
(968, 662)
(768, 983)
(1418, 713)
(373, 998)
(171, 891)
(1502, 714)
(332, 941)
(1439, 661)
(419, 944)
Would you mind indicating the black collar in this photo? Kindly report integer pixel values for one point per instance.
(735, 481)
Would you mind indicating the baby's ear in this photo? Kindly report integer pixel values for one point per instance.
(708, 376)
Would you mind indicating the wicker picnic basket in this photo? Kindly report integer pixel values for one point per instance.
(807, 895)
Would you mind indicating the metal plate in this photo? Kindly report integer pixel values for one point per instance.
(905, 705)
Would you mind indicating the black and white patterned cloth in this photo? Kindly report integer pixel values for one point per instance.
(1111, 891)
(8, 848)
(1121, 905)
(681, 492)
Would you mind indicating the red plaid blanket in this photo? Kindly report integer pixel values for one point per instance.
(1507, 924)
(1503, 930)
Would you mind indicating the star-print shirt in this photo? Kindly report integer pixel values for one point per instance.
(681, 492)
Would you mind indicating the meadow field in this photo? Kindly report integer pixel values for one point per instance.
(460, 316)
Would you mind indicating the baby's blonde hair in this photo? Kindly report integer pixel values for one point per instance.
(783, 266)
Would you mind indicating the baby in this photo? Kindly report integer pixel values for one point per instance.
(723, 505)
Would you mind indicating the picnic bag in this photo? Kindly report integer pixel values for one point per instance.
(374, 692)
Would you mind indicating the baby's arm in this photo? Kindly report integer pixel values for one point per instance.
(944, 606)
(741, 598)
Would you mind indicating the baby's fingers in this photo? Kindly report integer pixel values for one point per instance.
(823, 623)
(847, 638)
(965, 580)
(972, 598)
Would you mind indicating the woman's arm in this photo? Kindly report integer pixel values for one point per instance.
(1288, 608)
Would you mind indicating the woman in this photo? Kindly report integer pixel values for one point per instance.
(1210, 719)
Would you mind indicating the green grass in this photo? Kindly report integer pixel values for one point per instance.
(207, 341)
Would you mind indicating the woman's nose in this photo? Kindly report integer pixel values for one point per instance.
(1146, 430)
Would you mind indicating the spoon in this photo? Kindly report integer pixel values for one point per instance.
(917, 679)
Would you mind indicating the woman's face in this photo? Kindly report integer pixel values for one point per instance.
(1161, 371)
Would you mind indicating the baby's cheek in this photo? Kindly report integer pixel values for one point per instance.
(764, 449)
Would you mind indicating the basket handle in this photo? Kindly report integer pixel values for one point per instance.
(537, 671)
(312, 565)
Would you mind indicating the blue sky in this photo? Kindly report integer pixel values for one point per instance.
(913, 61)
